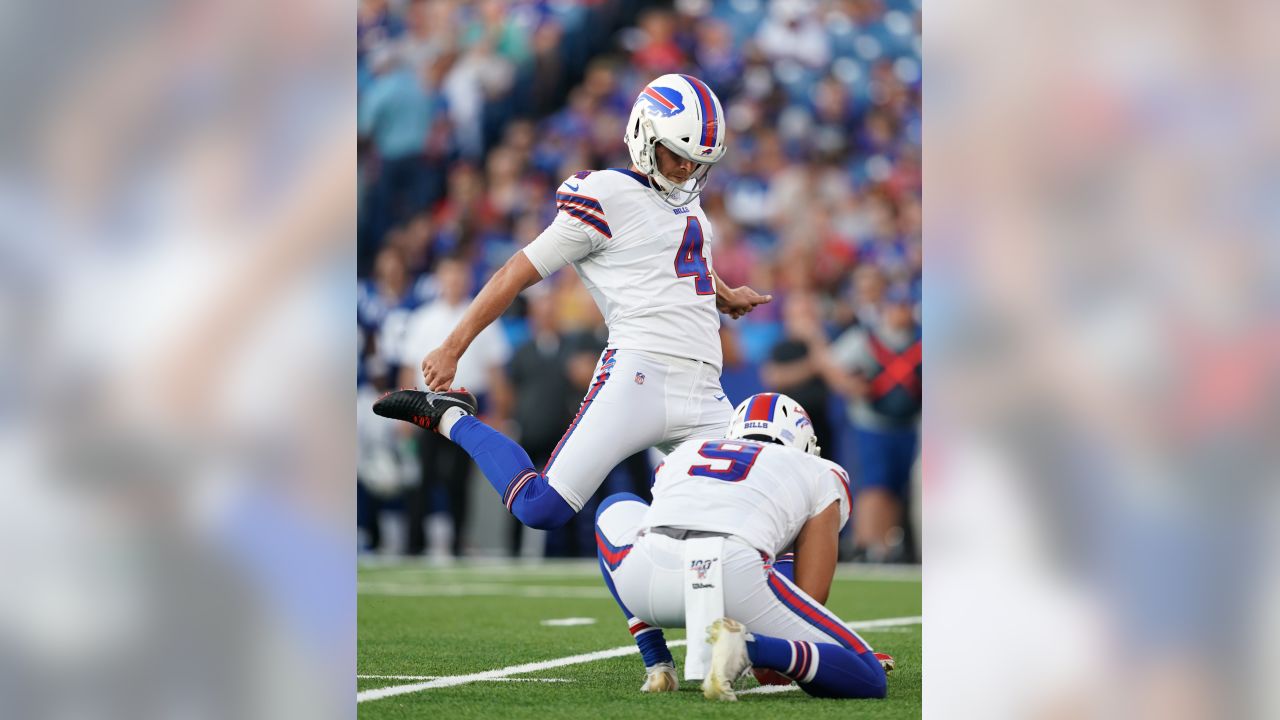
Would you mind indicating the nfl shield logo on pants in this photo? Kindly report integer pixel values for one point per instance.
(639, 378)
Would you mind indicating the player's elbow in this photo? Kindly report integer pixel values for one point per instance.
(518, 272)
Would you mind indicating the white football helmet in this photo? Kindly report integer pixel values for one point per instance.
(774, 417)
(682, 113)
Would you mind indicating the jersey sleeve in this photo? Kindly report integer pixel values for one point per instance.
(832, 485)
(580, 229)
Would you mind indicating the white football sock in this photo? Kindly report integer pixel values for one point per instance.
(450, 416)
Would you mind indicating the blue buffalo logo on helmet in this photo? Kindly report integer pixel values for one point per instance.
(663, 101)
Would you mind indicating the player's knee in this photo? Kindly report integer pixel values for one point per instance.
(877, 685)
(541, 516)
(541, 508)
(617, 498)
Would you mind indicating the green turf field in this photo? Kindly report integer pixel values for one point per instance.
(430, 625)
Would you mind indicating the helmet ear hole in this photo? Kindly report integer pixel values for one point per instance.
(684, 139)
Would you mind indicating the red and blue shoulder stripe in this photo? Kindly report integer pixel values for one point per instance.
(587, 209)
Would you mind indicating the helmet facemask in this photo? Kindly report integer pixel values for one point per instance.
(679, 194)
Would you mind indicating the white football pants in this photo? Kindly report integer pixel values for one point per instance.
(637, 400)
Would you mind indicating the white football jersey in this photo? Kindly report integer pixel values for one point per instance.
(761, 492)
(646, 264)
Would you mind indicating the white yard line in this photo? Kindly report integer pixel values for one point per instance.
(454, 680)
(451, 681)
(885, 623)
(434, 677)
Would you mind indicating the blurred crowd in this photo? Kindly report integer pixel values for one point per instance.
(471, 114)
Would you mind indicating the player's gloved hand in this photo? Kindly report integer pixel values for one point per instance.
(438, 368)
(736, 302)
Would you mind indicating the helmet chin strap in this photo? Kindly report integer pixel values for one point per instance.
(669, 189)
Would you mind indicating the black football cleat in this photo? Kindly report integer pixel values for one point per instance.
(421, 408)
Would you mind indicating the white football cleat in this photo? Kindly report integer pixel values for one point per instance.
(660, 678)
(729, 660)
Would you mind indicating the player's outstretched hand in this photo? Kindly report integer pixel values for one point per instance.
(736, 302)
(438, 368)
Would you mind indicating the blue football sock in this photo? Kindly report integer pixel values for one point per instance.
(822, 669)
(769, 652)
(509, 470)
(652, 643)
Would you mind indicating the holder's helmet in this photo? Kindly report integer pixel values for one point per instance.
(774, 417)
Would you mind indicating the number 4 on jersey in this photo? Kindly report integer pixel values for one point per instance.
(690, 261)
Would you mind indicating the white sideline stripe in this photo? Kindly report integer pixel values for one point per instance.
(531, 591)
(450, 681)
(885, 623)
(454, 680)
(434, 677)
(569, 621)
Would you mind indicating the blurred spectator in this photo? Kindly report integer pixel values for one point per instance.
(384, 305)
(877, 367)
(499, 30)
(793, 371)
(446, 468)
(396, 114)
(429, 36)
(794, 33)
(548, 70)
(545, 399)
(375, 26)
(720, 59)
(382, 465)
(658, 52)
(869, 286)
